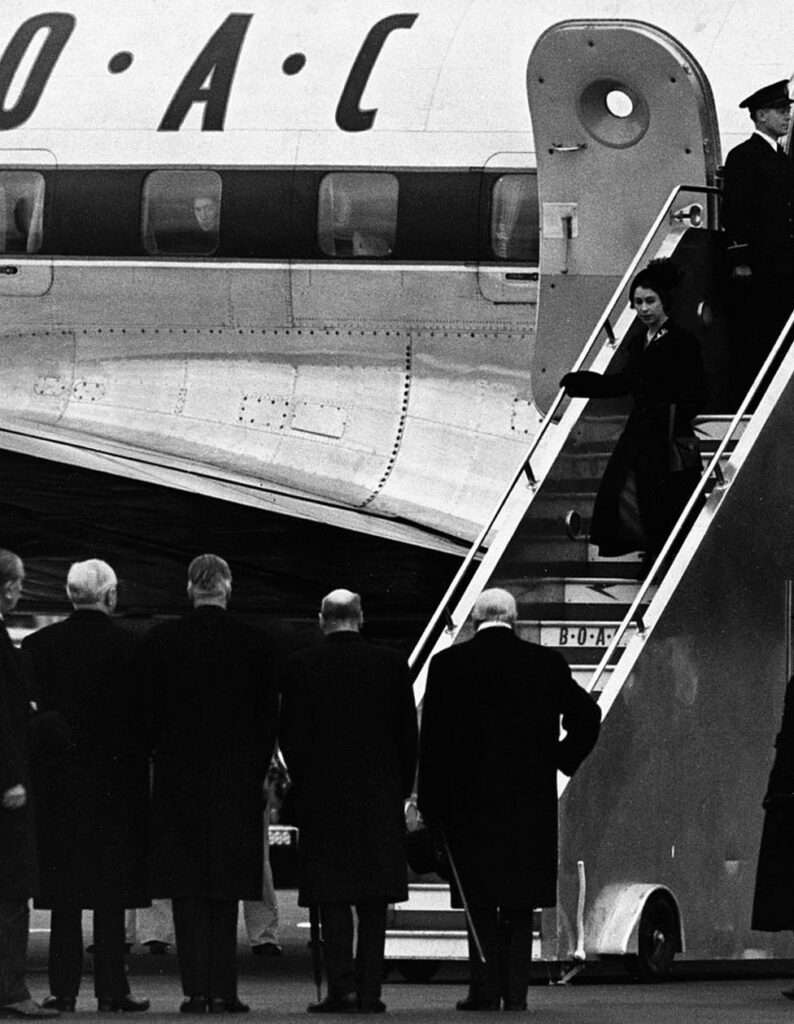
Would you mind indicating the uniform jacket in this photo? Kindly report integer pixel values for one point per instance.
(668, 371)
(212, 715)
(490, 751)
(773, 905)
(18, 876)
(348, 734)
(758, 208)
(92, 792)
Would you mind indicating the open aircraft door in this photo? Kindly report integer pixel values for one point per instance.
(23, 197)
(621, 113)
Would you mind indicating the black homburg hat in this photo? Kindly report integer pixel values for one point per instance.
(775, 95)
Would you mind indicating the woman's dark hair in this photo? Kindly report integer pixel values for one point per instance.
(660, 276)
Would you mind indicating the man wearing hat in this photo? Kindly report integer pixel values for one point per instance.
(758, 216)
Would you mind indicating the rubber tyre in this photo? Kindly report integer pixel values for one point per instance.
(417, 971)
(657, 940)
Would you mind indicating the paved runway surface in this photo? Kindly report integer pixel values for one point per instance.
(279, 989)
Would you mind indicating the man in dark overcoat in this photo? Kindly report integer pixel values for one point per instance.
(348, 734)
(490, 750)
(773, 903)
(213, 709)
(92, 794)
(18, 877)
(758, 214)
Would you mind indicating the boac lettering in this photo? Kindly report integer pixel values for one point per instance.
(215, 66)
(59, 27)
(349, 116)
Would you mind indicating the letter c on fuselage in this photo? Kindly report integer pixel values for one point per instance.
(349, 116)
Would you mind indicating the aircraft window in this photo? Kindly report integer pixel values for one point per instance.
(21, 211)
(180, 213)
(514, 217)
(357, 214)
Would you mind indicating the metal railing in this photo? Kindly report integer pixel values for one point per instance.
(442, 618)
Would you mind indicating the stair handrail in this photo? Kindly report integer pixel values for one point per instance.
(713, 468)
(442, 617)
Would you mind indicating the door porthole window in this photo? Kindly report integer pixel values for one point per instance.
(613, 113)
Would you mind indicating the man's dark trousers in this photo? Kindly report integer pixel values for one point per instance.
(206, 946)
(366, 976)
(505, 936)
(14, 920)
(66, 952)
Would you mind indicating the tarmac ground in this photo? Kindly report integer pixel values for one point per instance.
(279, 989)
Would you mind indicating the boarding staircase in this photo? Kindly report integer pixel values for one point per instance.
(597, 612)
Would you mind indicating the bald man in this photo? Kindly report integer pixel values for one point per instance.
(490, 752)
(348, 734)
(92, 791)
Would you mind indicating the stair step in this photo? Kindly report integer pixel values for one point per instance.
(584, 488)
(431, 944)
(571, 612)
(611, 591)
(539, 525)
(451, 918)
(580, 464)
(426, 896)
(715, 426)
(572, 635)
(526, 549)
(583, 674)
(626, 570)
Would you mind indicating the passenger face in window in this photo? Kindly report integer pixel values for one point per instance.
(205, 210)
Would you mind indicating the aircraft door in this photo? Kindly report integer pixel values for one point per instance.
(23, 197)
(621, 114)
(507, 271)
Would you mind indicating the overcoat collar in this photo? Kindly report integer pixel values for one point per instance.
(88, 615)
(487, 635)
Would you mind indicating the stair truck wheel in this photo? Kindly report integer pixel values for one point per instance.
(657, 939)
(417, 971)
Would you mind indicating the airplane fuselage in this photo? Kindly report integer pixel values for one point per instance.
(291, 254)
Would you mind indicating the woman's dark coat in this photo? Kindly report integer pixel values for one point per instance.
(18, 875)
(773, 905)
(668, 371)
(212, 714)
(91, 779)
(348, 733)
(489, 754)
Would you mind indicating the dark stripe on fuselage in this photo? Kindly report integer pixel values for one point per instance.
(443, 215)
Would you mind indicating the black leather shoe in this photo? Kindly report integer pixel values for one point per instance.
(266, 949)
(63, 1004)
(194, 1004)
(27, 1008)
(335, 1004)
(228, 1006)
(371, 1006)
(156, 947)
(515, 1007)
(470, 1003)
(127, 1004)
